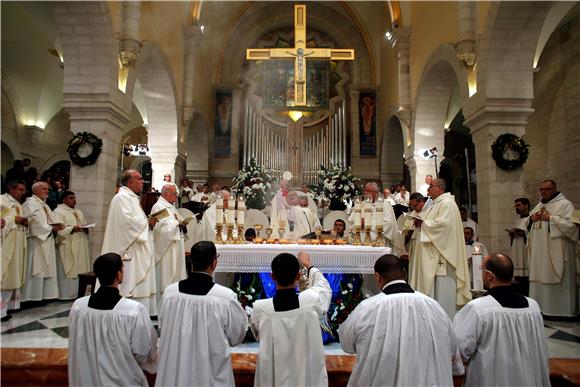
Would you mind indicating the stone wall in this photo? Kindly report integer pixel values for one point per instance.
(553, 130)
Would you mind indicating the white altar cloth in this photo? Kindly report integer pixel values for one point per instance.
(252, 258)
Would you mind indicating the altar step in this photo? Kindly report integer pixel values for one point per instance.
(48, 367)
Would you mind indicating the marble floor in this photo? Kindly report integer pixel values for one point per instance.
(47, 327)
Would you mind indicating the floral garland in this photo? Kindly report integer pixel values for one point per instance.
(509, 145)
(337, 184)
(255, 182)
(79, 140)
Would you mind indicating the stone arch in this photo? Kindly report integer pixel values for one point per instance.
(10, 123)
(86, 34)
(508, 45)
(441, 74)
(197, 163)
(154, 74)
(392, 151)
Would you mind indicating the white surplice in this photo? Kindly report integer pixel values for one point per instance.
(402, 339)
(291, 351)
(72, 251)
(196, 335)
(13, 255)
(442, 259)
(474, 226)
(169, 247)
(109, 347)
(504, 346)
(127, 234)
(41, 278)
(519, 248)
(552, 259)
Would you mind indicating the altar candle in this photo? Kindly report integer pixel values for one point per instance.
(219, 215)
(379, 212)
(367, 213)
(219, 202)
(230, 216)
(241, 216)
(357, 204)
(232, 203)
(476, 271)
(357, 221)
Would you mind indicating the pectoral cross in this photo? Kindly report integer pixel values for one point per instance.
(299, 53)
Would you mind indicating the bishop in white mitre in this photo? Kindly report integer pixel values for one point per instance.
(127, 234)
(41, 278)
(72, 246)
(551, 244)
(442, 260)
(168, 241)
(13, 246)
(298, 221)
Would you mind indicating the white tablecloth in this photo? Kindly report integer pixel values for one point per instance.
(329, 259)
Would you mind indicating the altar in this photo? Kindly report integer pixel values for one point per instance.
(256, 258)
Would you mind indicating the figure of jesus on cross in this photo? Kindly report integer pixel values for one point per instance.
(299, 53)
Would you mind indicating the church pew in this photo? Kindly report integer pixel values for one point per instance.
(48, 367)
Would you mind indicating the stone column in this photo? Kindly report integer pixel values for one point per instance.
(419, 167)
(191, 38)
(130, 43)
(403, 43)
(94, 185)
(465, 46)
(496, 188)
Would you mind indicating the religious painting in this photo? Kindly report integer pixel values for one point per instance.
(367, 123)
(223, 124)
(278, 84)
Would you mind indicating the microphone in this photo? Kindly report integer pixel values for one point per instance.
(308, 221)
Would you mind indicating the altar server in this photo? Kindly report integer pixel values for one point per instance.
(111, 337)
(199, 320)
(442, 259)
(401, 337)
(552, 240)
(72, 246)
(168, 241)
(13, 246)
(288, 326)
(127, 234)
(41, 279)
(502, 334)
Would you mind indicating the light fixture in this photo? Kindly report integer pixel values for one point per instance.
(202, 28)
(295, 115)
(389, 35)
(430, 153)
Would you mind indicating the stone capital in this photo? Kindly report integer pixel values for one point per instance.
(484, 112)
(192, 35)
(94, 110)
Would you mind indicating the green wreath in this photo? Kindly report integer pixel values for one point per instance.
(509, 142)
(79, 140)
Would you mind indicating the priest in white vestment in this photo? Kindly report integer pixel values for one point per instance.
(401, 337)
(412, 233)
(288, 326)
(168, 242)
(208, 222)
(441, 264)
(502, 334)
(298, 221)
(128, 234)
(424, 188)
(41, 278)
(552, 240)
(72, 246)
(199, 321)
(111, 338)
(204, 196)
(13, 246)
(518, 234)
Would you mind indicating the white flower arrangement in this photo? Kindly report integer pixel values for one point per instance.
(337, 184)
(255, 182)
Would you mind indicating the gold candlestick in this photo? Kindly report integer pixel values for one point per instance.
(281, 233)
(240, 239)
(268, 233)
(380, 241)
(230, 237)
(356, 241)
(218, 240)
(368, 240)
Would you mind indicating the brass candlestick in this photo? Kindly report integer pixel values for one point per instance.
(230, 237)
(281, 233)
(218, 240)
(380, 241)
(240, 239)
(268, 233)
(356, 241)
(368, 240)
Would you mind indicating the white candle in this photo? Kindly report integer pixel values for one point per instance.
(357, 221)
(241, 217)
(232, 203)
(230, 216)
(378, 216)
(219, 216)
(367, 214)
(476, 271)
(219, 202)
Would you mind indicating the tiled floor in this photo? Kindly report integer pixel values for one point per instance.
(47, 327)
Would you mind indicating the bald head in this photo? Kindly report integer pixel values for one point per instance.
(501, 266)
(389, 268)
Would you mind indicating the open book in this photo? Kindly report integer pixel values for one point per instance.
(162, 214)
(5, 211)
(414, 217)
(189, 219)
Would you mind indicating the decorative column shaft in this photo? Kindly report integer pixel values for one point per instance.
(465, 46)
(130, 42)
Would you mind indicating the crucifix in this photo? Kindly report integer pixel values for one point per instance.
(299, 53)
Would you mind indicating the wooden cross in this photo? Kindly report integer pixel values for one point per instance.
(299, 53)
